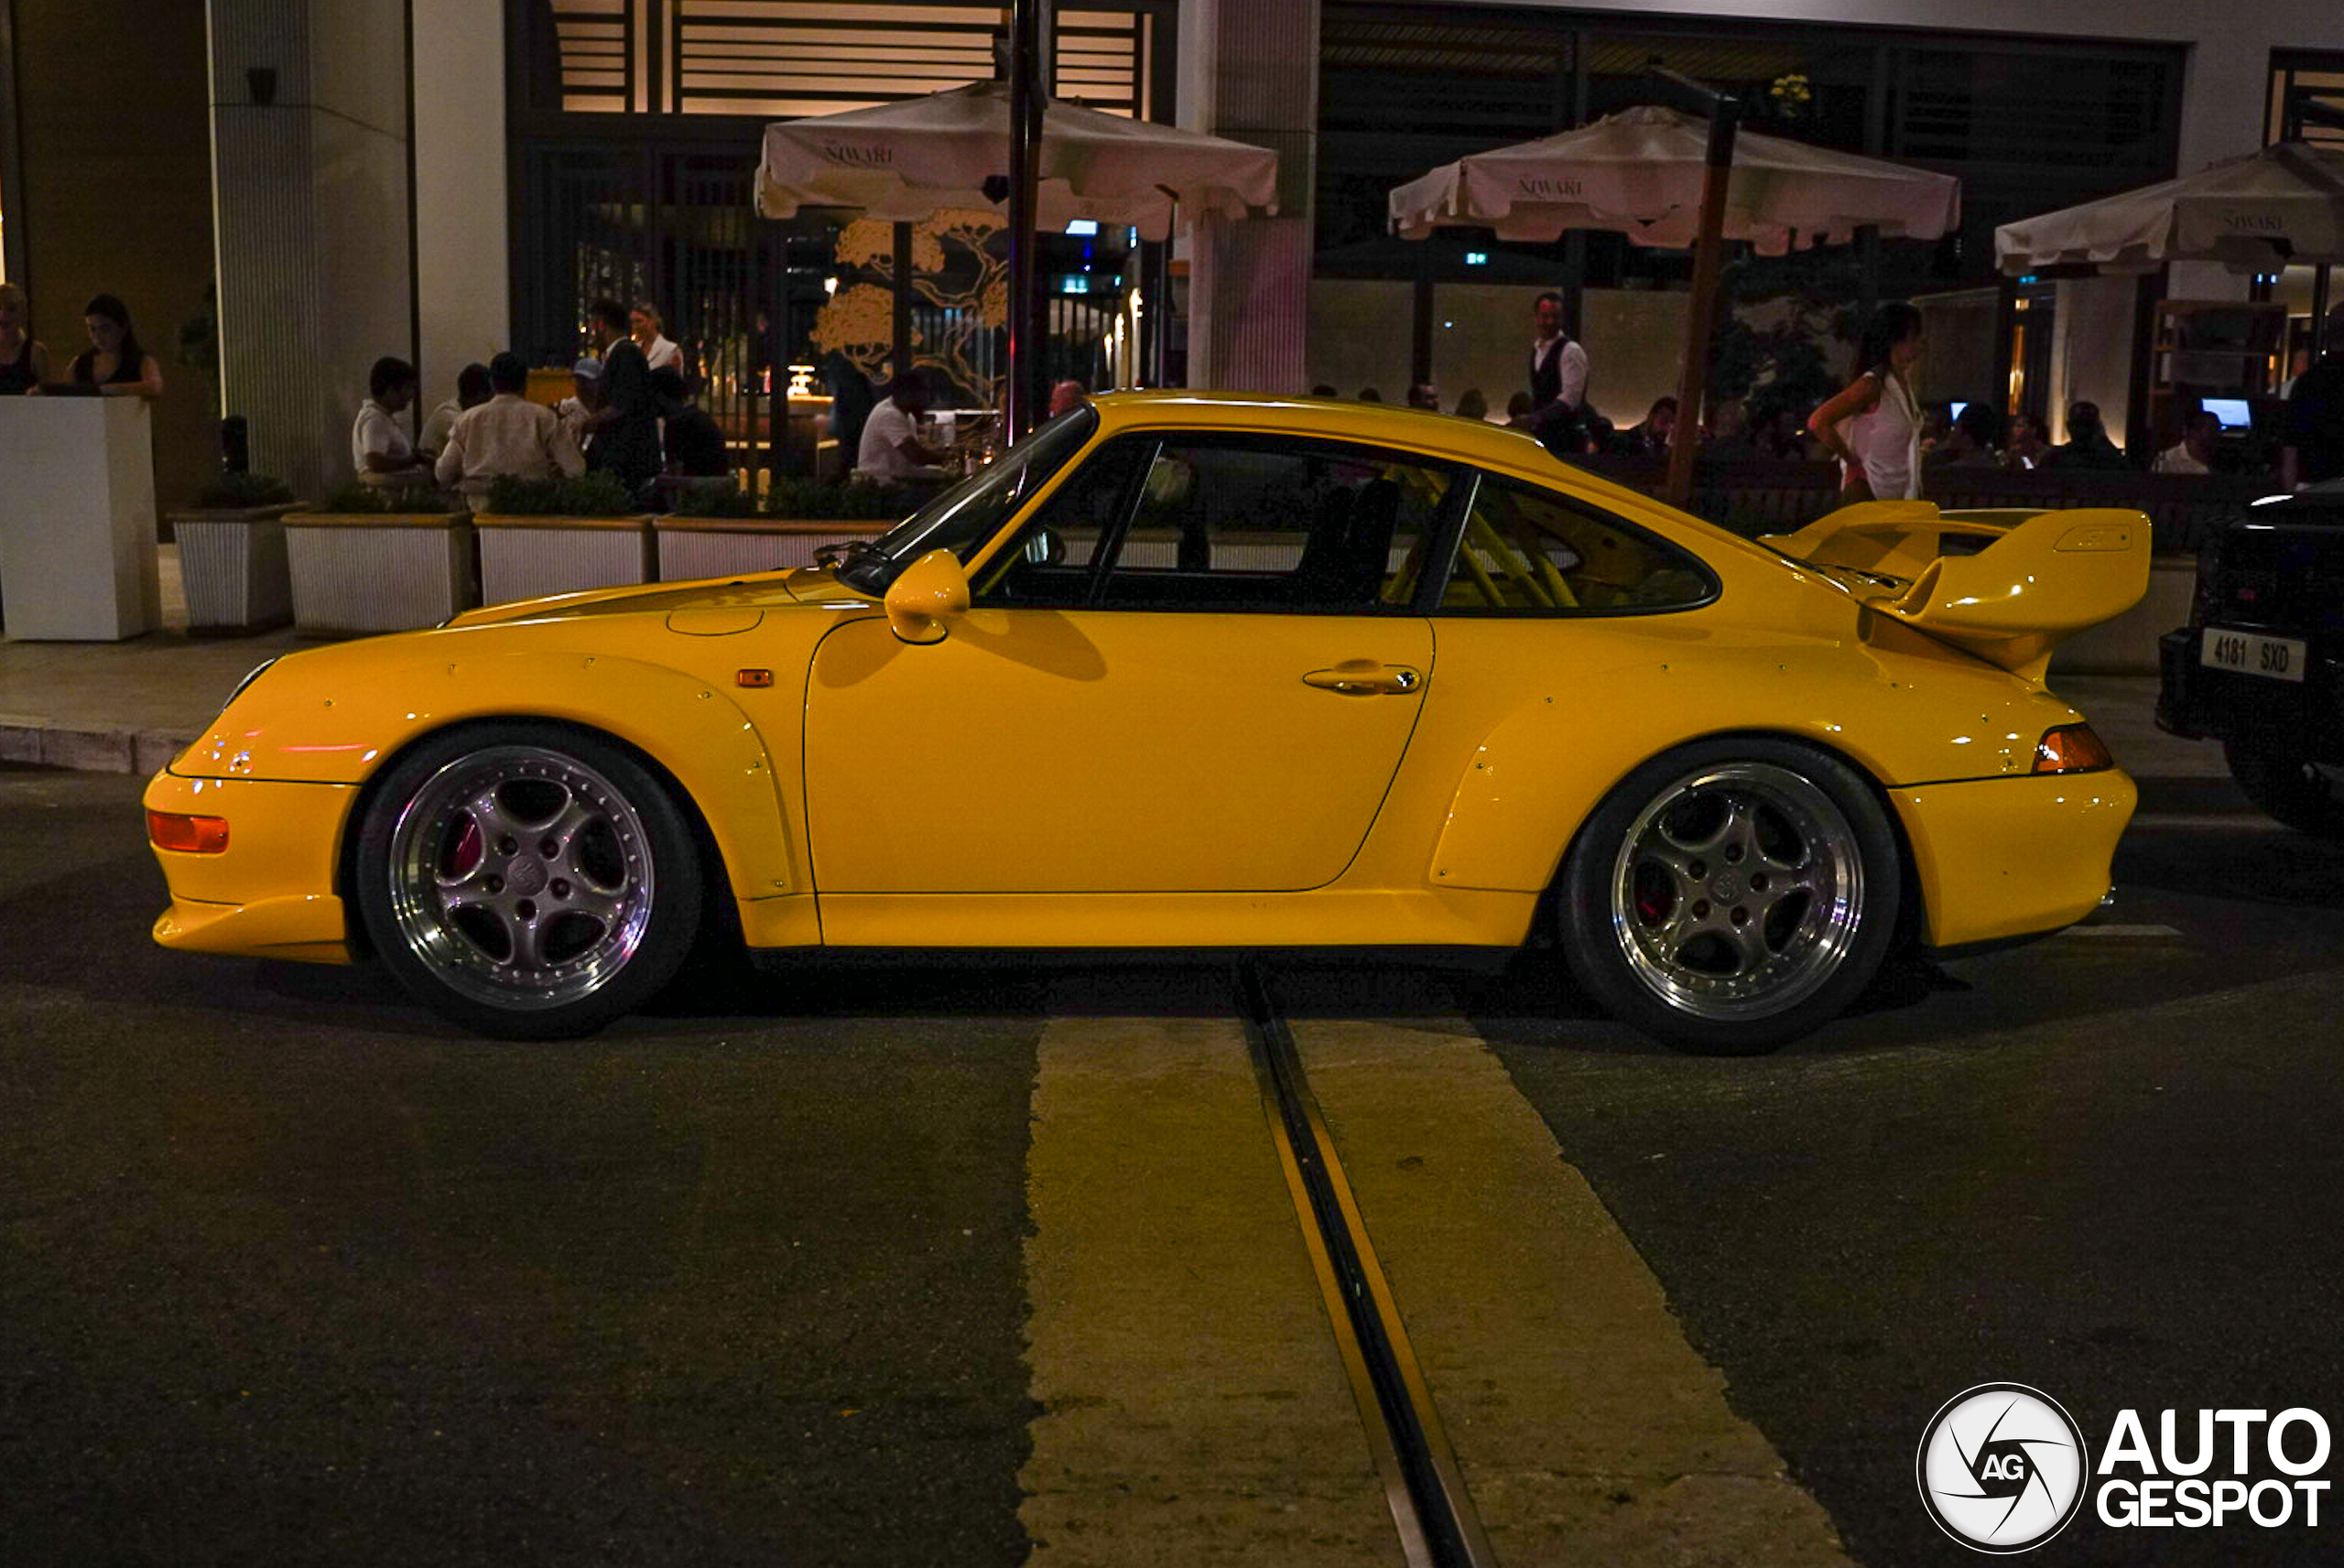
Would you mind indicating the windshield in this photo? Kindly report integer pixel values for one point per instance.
(962, 518)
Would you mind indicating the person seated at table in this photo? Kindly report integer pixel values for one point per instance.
(1652, 438)
(2025, 448)
(2086, 446)
(471, 391)
(891, 446)
(24, 360)
(113, 363)
(380, 452)
(506, 437)
(695, 446)
(1969, 443)
(2194, 453)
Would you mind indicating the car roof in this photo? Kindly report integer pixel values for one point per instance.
(1476, 440)
(1392, 424)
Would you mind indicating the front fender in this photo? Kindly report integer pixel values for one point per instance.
(341, 721)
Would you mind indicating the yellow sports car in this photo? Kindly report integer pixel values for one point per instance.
(1194, 671)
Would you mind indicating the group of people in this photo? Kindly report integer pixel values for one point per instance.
(1878, 430)
(630, 414)
(114, 365)
(889, 446)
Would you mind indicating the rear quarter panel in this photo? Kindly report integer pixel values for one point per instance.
(1532, 721)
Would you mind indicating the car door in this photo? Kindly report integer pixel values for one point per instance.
(1194, 670)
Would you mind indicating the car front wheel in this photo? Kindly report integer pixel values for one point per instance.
(1731, 895)
(526, 881)
(2306, 797)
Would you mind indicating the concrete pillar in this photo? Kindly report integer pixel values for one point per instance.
(2089, 315)
(462, 216)
(309, 175)
(1256, 67)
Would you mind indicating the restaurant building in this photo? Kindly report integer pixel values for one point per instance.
(285, 189)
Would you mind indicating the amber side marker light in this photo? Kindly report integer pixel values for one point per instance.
(2071, 749)
(753, 677)
(188, 835)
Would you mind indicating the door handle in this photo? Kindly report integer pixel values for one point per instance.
(1365, 677)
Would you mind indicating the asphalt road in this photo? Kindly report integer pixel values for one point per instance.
(294, 1273)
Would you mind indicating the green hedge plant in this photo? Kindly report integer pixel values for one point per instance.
(596, 494)
(856, 500)
(240, 492)
(399, 499)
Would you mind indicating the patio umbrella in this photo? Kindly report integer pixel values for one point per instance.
(904, 161)
(1645, 172)
(2255, 213)
(961, 149)
(1639, 173)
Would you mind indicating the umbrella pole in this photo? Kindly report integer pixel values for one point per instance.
(1700, 317)
(1021, 408)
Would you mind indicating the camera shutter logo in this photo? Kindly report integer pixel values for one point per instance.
(2001, 1468)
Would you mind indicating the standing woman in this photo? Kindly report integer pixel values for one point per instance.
(1874, 426)
(114, 362)
(24, 362)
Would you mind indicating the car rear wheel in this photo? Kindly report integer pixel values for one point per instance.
(1731, 895)
(2307, 796)
(526, 881)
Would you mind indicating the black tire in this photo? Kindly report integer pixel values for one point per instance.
(526, 881)
(1731, 895)
(2305, 796)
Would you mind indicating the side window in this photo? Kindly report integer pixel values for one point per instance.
(1049, 563)
(1276, 523)
(1533, 551)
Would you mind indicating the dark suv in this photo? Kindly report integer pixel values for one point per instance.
(2260, 667)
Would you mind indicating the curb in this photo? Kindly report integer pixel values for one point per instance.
(89, 751)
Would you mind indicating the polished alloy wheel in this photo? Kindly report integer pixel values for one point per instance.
(1737, 892)
(521, 877)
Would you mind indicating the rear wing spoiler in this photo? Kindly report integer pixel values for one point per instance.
(2008, 586)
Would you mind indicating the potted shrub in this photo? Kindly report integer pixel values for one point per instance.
(725, 532)
(380, 558)
(233, 568)
(559, 535)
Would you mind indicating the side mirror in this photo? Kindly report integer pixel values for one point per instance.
(927, 594)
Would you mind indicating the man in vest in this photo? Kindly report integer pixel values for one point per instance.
(1558, 376)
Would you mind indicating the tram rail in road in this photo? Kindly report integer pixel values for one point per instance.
(1431, 1508)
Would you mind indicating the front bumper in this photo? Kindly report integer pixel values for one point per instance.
(271, 893)
(1999, 859)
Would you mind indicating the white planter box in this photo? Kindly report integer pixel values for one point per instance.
(529, 557)
(356, 573)
(692, 547)
(232, 568)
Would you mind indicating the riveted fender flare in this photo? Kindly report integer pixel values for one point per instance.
(351, 725)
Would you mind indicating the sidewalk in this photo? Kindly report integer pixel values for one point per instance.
(131, 707)
(127, 707)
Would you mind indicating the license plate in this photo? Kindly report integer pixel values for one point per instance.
(2249, 653)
